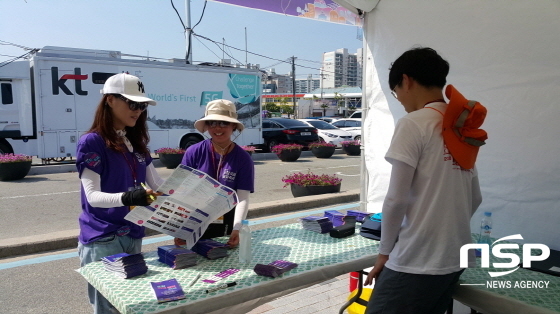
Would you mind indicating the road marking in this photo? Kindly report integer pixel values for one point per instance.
(347, 175)
(50, 258)
(46, 194)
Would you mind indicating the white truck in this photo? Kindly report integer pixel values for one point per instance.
(49, 101)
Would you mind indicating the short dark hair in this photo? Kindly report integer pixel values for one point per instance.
(422, 64)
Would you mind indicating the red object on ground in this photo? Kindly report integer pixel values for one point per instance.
(354, 280)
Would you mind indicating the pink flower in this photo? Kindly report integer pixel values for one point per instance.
(279, 148)
(8, 158)
(321, 144)
(248, 148)
(305, 179)
(169, 150)
(350, 143)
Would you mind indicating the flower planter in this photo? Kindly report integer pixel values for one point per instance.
(351, 150)
(300, 190)
(171, 161)
(14, 170)
(289, 154)
(323, 151)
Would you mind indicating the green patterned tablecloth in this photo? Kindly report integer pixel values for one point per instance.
(509, 294)
(319, 256)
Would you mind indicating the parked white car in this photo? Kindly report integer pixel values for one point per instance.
(328, 132)
(328, 119)
(351, 125)
(356, 114)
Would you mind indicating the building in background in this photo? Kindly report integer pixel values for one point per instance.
(333, 102)
(308, 84)
(277, 83)
(341, 68)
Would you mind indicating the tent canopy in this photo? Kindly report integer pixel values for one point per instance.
(505, 54)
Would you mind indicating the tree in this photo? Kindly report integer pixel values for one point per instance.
(271, 107)
(338, 97)
(324, 106)
(287, 109)
(284, 104)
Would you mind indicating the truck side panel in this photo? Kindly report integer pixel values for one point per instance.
(67, 92)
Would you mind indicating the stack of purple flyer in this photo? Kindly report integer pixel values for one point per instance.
(176, 257)
(360, 215)
(210, 249)
(168, 290)
(339, 219)
(274, 269)
(316, 224)
(125, 265)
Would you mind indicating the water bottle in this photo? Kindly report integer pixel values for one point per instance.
(485, 230)
(245, 254)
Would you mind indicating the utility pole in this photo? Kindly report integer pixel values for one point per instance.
(188, 31)
(245, 47)
(294, 84)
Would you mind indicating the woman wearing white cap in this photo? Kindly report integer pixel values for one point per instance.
(226, 162)
(113, 162)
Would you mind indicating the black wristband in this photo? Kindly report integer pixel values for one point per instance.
(135, 198)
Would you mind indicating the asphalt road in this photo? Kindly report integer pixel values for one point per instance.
(48, 203)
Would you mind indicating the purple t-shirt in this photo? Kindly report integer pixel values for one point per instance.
(116, 174)
(237, 169)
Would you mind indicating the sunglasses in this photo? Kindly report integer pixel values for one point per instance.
(132, 104)
(214, 124)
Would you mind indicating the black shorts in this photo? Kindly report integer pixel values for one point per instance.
(403, 293)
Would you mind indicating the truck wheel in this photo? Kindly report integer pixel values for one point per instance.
(5, 147)
(189, 140)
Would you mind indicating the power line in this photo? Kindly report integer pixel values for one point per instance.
(25, 55)
(262, 56)
(7, 43)
(201, 15)
(208, 48)
(178, 15)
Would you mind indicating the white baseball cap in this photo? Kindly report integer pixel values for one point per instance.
(127, 85)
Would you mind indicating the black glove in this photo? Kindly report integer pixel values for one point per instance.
(137, 197)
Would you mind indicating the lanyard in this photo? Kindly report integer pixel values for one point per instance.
(132, 167)
(220, 163)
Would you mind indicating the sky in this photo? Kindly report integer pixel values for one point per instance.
(152, 28)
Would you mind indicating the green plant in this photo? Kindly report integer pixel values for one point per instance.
(169, 150)
(320, 144)
(277, 149)
(309, 178)
(8, 158)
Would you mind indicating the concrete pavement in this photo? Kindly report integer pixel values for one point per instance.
(65, 239)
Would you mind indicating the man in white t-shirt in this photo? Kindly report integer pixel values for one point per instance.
(430, 201)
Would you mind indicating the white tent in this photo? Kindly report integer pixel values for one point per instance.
(505, 54)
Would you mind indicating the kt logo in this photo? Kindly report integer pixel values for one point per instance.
(60, 83)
